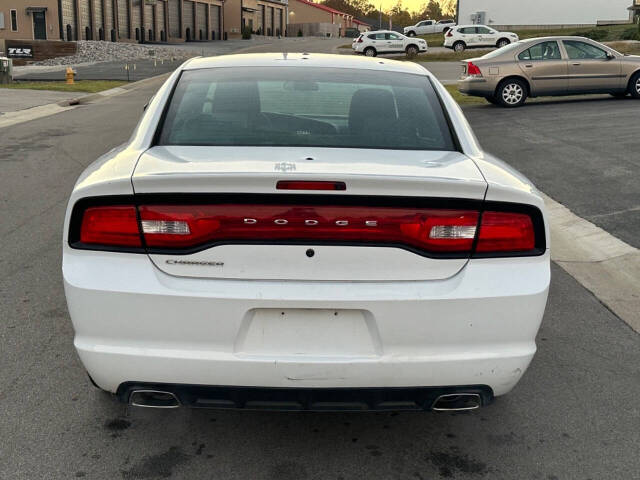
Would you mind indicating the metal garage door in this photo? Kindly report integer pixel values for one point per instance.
(187, 20)
(149, 33)
(69, 19)
(108, 17)
(135, 19)
(97, 14)
(123, 19)
(278, 21)
(259, 26)
(85, 20)
(174, 18)
(160, 33)
(216, 29)
(269, 21)
(201, 19)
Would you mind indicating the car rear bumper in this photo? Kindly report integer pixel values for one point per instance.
(476, 86)
(315, 399)
(134, 323)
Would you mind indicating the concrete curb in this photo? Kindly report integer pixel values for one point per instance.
(606, 266)
(111, 92)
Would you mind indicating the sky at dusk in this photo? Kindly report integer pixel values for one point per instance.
(411, 5)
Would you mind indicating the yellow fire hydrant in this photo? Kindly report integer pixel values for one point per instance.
(70, 75)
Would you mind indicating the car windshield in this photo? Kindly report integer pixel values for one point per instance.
(503, 50)
(305, 106)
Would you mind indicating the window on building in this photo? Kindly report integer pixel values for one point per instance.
(14, 21)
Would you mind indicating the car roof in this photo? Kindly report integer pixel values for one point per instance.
(556, 37)
(304, 60)
(382, 31)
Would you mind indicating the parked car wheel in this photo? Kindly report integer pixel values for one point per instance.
(370, 52)
(503, 42)
(412, 51)
(459, 46)
(411, 34)
(635, 86)
(512, 93)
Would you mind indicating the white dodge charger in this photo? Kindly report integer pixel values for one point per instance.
(304, 232)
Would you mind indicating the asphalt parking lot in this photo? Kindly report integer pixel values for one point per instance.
(575, 414)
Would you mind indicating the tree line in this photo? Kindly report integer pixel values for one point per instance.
(401, 16)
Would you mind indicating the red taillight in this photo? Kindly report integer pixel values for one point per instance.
(472, 69)
(449, 33)
(110, 226)
(309, 185)
(425, 230)
(360, 39)
(505, 232)
(429, 230)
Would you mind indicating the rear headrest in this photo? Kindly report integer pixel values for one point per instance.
(236, 97)
(372, 109)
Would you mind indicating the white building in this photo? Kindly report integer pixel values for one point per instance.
(543, 13)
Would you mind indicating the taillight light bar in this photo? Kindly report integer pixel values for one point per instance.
(185, 228)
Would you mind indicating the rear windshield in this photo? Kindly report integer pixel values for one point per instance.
(294, 106)
(501, 51)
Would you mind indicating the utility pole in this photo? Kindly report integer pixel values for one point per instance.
(380, 19)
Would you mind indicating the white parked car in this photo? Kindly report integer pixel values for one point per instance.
(426, 27)
(477, 36)
(304, 231)
(387, 41)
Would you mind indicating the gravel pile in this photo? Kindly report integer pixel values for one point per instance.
(96, 51)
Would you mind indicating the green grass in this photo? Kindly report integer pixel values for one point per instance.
(87, 86)
(628, 48)
(447, 56)
(464, 99)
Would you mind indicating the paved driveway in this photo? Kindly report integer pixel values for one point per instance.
(583, 153)
(575, 414)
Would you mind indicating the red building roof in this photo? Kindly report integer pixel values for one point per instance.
(323, 7)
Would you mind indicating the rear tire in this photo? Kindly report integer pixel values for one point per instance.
(503, 42)
(634, 86)
(459, 47)
(411, 34)
(511, 93)
(370, 52)
(412, 51)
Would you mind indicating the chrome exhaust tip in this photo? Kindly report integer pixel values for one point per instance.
(455, 402)
(153, 399)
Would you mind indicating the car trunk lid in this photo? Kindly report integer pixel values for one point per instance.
(240, 184)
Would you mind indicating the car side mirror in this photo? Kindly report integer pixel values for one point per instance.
(610, 56)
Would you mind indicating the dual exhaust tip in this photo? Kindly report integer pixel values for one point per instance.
(456, 402)
(449, 402)
(153, 399)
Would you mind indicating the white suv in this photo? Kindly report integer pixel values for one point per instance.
(426, 27)
(473, 36)
(387, 41)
